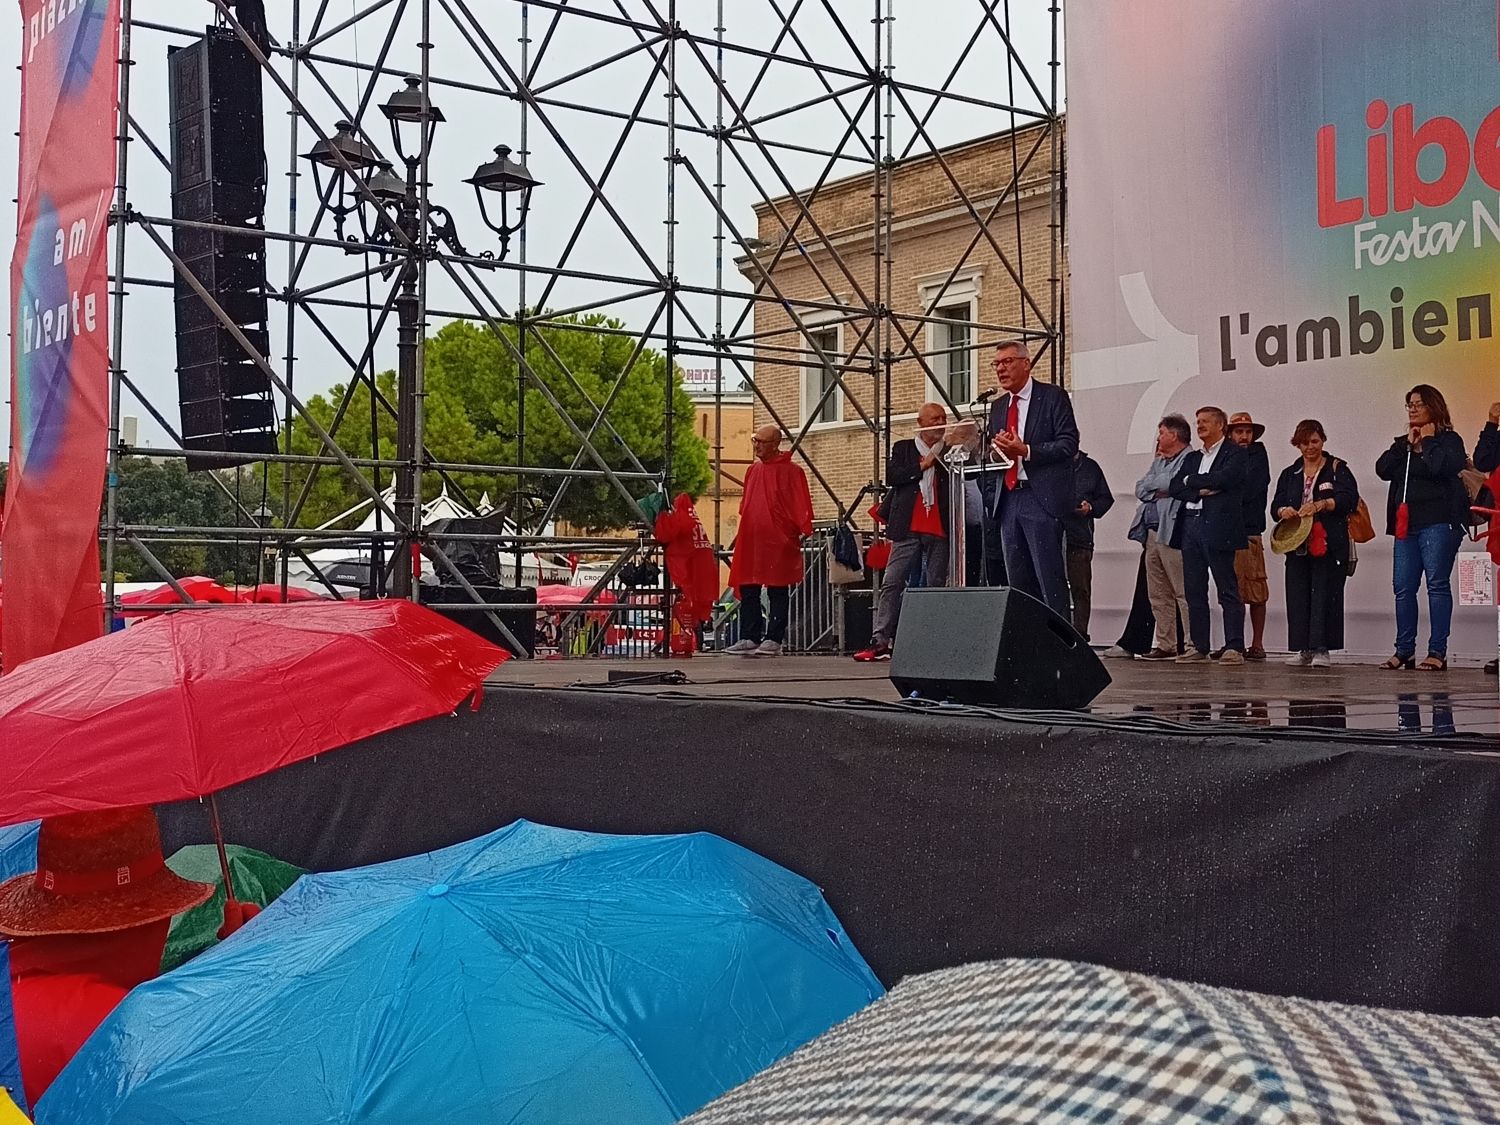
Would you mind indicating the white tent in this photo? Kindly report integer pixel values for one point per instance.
(536, 567)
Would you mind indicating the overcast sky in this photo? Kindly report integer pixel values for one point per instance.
(929, 38)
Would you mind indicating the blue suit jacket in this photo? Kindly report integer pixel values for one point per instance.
(1052, 434)
(1224, 512)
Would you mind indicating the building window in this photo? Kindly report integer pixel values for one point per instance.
(818, 376)
(951, 300)
(954, 366)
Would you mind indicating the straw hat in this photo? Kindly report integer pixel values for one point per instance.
(96, 872)
(1242, 418)
(1290, 534)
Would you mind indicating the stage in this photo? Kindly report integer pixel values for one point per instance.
(1353, 696)
(1354, 865)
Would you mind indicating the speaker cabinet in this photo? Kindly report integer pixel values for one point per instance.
(219, 178)
(521, 622)
(992, 646)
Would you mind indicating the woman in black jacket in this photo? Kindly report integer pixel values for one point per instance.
(1425, 511)
(1322, 487)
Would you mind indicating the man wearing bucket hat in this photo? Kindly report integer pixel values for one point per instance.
(1250, 560)
(85, 928)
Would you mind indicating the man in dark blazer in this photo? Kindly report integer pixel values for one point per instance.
(1211, 484)
(918, 522)
(1032, 424)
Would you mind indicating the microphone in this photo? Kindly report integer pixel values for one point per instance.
(987, 395)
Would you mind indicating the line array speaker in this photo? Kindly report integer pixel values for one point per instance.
(219, 177)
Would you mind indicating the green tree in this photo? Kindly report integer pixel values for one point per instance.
(471, 417)
(165, 494)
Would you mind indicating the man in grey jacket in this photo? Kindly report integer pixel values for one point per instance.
(1154, 527)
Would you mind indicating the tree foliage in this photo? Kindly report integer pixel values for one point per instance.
(472, 417)
(165, 494)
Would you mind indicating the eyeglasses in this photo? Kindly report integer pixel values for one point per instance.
(1008, 360)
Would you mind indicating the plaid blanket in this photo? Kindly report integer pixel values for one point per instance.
(1052, 1041)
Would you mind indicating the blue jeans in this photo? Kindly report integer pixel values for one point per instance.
(1430, 551)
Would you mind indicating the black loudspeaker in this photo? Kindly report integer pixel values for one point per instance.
(992, 646)
(521, 622)
(219, 176)
(859, 617)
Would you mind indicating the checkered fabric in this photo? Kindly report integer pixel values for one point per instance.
(1052, 1041)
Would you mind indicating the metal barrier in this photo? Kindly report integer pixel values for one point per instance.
(638, 624)
(816, 610)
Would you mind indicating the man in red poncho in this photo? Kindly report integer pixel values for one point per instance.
(775, 514)
(691, 563)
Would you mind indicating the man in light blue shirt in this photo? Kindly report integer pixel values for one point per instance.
(1154, 526)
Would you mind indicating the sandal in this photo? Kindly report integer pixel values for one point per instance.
(1433, 664)
(1398, 662)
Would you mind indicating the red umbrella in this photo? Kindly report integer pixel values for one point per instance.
(197, 587)
(196, 702)
(271, 592)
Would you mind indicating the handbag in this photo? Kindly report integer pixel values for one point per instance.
(1477, 486)
(1361, 526)
(844, 566)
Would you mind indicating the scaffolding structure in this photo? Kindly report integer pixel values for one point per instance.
(655, 127)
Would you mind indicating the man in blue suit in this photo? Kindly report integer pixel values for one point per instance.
(1032, 425)
(1210, 482)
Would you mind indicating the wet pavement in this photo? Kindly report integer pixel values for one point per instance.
(1352, 695)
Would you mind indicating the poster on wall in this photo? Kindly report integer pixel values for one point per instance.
(1287, 208)
(59, 328)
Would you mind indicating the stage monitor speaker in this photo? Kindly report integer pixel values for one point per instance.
(219, 178)
(521, 622)
(992, 646)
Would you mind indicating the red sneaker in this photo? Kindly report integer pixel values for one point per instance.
(873, 654)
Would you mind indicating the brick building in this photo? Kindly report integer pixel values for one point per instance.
(942, 324)
(726, 428)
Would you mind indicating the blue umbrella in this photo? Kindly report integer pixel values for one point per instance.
(531, 975)
(17, 857)
(18, 849)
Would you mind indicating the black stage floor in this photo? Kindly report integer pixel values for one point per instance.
(1349, 696)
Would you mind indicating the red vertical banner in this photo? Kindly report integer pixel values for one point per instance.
(59, 427)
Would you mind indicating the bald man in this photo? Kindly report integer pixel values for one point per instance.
(917, 522)
(775, 514)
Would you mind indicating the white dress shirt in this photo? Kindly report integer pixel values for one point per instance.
(1203, 466)
(1023, 407)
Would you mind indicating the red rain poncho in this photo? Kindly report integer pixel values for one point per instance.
(775, 513)
(691, 564)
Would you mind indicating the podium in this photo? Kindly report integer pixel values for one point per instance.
(963, 443)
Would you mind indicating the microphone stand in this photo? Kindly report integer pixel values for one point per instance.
(958, 531)
(980, 417)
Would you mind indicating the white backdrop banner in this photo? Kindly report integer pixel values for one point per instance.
(1289, 208)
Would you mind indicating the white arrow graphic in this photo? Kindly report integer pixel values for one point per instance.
(1166, 359)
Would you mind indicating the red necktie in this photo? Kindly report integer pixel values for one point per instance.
(1013, 423)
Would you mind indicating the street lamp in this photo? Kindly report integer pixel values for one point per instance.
(329, 158)
(503, 177)
(404, 228)
(408, 106)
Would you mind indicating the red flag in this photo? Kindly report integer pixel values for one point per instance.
(60, 327)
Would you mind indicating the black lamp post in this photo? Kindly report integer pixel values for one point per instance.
(414, 121)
